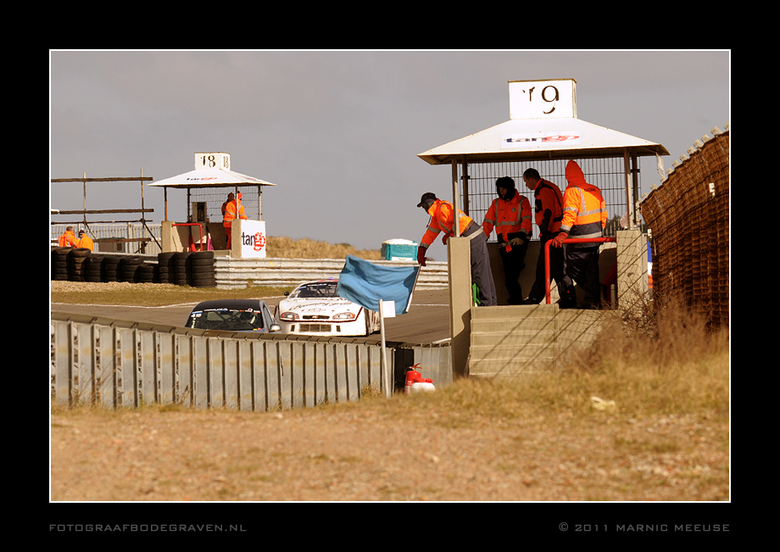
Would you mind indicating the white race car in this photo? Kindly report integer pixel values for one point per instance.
(315, 308)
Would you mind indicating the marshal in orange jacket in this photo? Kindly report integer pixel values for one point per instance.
(584, 211)
(510, 218)
(68, 238)
(85, 242)
(233, 210)
(442, 220)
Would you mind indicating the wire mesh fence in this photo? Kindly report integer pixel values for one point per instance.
(216, 197)
(689, 219)
(606, 173)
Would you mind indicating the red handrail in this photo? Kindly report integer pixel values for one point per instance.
(200, 241)
(547, 258)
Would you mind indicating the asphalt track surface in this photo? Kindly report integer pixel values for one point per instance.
(426, 322)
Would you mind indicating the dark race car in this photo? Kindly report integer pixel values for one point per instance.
(233, 315)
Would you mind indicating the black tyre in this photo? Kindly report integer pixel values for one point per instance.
(76, 259)
(182, 274)
(166, 268)
(110, 268)
(145, 273)
(128, 269)
(94, 268)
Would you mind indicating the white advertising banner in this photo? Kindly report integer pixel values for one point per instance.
(253, 239)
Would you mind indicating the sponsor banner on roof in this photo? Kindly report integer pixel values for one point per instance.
(528, 140)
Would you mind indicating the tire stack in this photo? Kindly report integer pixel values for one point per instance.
(76, 263)
(145, 273)
(94, 268)
(189, 268)
(111, 268)
(166, 268)
(128, 269)
(181, 275)
(202, 269)
(59, 263)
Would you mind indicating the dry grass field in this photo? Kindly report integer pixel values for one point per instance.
(305, 248)
(641, 416)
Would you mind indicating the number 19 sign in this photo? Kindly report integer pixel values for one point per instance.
(545, 99)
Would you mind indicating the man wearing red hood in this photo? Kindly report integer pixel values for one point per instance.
(584, 216)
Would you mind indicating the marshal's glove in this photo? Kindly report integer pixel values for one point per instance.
(557, 241)
(421, 255)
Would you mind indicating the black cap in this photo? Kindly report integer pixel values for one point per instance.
(427, 198)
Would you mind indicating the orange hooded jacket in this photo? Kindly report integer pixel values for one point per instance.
(584, 211)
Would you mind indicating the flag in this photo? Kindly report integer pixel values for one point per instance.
(366, 283)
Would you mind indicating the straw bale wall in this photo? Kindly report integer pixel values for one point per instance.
(689, 218)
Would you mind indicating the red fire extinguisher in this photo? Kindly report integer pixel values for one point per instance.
(415, 382)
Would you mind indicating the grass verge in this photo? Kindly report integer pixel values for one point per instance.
(149, 295)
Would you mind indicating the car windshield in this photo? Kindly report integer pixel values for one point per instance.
(317, 290)
(227, 320)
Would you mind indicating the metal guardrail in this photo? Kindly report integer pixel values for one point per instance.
(239, 273)
(116, 364)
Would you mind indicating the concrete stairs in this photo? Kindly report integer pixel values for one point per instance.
(521, 339)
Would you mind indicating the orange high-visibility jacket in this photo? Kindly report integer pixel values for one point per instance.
(548, 197)
(233, 210)
(584, 212)
(442, 220)
(85, 242)
(68, 239)
(509, 217)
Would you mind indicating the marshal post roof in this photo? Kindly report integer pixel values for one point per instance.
(212, 170)
(543, 124)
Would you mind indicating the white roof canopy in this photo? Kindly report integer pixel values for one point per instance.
(541, 139)
(543, 125)
(212, 170)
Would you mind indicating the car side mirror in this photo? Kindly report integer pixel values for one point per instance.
(275, 328)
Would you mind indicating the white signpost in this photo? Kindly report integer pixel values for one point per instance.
(386, 310)
(253, 238)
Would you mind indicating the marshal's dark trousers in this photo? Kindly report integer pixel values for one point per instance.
(581, 265)
(514, 263)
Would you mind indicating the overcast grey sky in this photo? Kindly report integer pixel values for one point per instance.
(339, 131)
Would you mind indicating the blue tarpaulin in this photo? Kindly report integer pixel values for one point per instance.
(365, 283)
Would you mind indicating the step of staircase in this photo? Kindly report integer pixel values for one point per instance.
(521, 339)
(509, 340)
